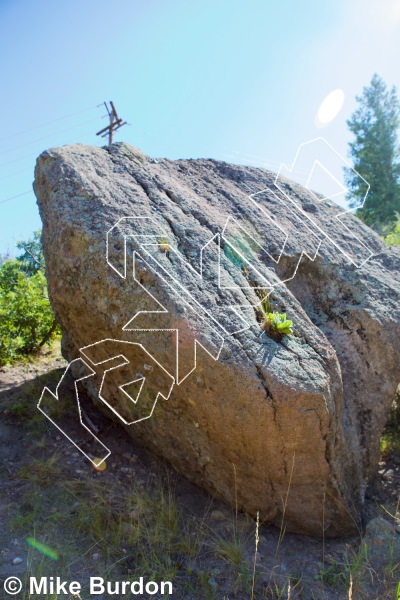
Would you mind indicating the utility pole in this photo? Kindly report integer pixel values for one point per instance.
(115, 123)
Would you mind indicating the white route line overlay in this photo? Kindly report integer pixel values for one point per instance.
(120, 387)
(179, 289)
(344, 189)
(151, 239)
(55, 395)
(163, 310)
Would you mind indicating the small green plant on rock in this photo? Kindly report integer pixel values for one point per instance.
(277, 325)
(265, 304)
(164, 245)
(272, 322)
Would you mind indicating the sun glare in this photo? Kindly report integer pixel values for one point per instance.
(330, 107)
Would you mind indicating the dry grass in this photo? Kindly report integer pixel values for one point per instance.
(142, 529)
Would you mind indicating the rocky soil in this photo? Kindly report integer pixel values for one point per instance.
(49, 492)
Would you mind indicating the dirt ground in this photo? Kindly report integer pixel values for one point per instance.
(140, 518)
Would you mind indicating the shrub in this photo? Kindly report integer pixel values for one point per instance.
(393, 238)
(26, 319)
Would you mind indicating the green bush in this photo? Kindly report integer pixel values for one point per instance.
(393, 238)
(26, 318)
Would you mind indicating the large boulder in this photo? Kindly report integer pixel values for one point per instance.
(174, 258)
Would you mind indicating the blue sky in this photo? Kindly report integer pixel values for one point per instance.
(227, 79)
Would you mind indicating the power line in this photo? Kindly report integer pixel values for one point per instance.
(15, 173)
(47, 123)
(46, 137)
(35, 153)
(263, 161)
(115, 123)
(17, 196)
(17, 160)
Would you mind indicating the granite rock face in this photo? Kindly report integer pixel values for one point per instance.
(173, 257)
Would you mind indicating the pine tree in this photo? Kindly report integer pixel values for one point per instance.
(375, 155)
